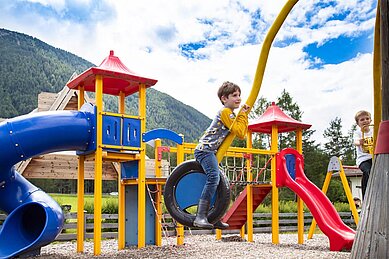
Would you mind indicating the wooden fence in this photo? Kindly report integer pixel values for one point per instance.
(262, 224)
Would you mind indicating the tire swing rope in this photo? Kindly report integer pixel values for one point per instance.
(161, 219)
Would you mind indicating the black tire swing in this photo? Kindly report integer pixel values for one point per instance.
(183, 189)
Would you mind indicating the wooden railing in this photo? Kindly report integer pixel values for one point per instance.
(262, 224)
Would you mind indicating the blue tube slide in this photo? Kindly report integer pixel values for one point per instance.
(34, 218)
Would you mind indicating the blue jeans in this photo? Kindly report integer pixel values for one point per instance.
(209, 163)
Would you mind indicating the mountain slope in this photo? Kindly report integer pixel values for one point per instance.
(29, 66)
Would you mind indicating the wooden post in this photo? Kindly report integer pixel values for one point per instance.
(372, 240)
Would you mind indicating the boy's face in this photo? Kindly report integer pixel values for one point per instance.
(364, 120)
(232, 101)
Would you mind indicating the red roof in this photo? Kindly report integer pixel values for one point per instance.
(274, 116)
(116, 77)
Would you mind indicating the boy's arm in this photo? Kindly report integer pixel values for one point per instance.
(239, 128)
(358, 139)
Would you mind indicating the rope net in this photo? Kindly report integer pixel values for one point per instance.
(236, 170)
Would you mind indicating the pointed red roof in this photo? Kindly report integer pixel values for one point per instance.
(116, 77)
(275, 116)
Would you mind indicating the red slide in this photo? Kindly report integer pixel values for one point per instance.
(340, 235)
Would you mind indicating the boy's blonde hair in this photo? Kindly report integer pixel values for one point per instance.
(226, 89)
(361, 113)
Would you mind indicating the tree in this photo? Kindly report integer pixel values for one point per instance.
(336, 144)
(350, 152)
(292, 109)
(260, 141)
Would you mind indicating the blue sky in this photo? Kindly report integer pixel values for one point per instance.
(341, 49)
(322, 55)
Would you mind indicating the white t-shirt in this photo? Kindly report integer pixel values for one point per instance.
(362, 156)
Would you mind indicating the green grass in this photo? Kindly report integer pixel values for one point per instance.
(71, 199)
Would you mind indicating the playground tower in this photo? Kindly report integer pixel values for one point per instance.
(117, 137)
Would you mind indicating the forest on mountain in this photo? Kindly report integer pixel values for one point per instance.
(29, 66)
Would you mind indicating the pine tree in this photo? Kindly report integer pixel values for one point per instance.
(336, 144)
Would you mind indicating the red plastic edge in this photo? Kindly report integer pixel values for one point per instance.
(382, 146)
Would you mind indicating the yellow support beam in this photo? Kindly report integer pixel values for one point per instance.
(249, 223)
(80, 186)
(119, 157)
(98, 166)
(300, 203)
(336, 165)
(80, 205)
(122, 115)
(180, 228)
(121, 189)
(142, 172)
(121, 148)
(349, 195)
(274, 190)
(158, 196)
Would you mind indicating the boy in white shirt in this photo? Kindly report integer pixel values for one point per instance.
(364, 158)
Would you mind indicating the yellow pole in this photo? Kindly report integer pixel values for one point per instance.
(274, 190)
(260, 69)
(249, 187)
(158, 198)
(349, 195)
(80, 187)
(347, 190)
(142, 172)
(98, 165)
(180, 228)
(121, 188)
(377, 74)
(300, 203)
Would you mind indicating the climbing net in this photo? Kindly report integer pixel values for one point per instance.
(236, 168)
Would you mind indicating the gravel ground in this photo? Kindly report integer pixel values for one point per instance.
(205, 246)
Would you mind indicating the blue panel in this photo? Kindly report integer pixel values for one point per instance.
(189, 189)
(111, 130)
(130, 169)
(162, 134)
(291, 165)
(131, 132)
(131, 226)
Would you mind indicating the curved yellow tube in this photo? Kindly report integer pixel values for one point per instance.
(377, 74)
(260, 69)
